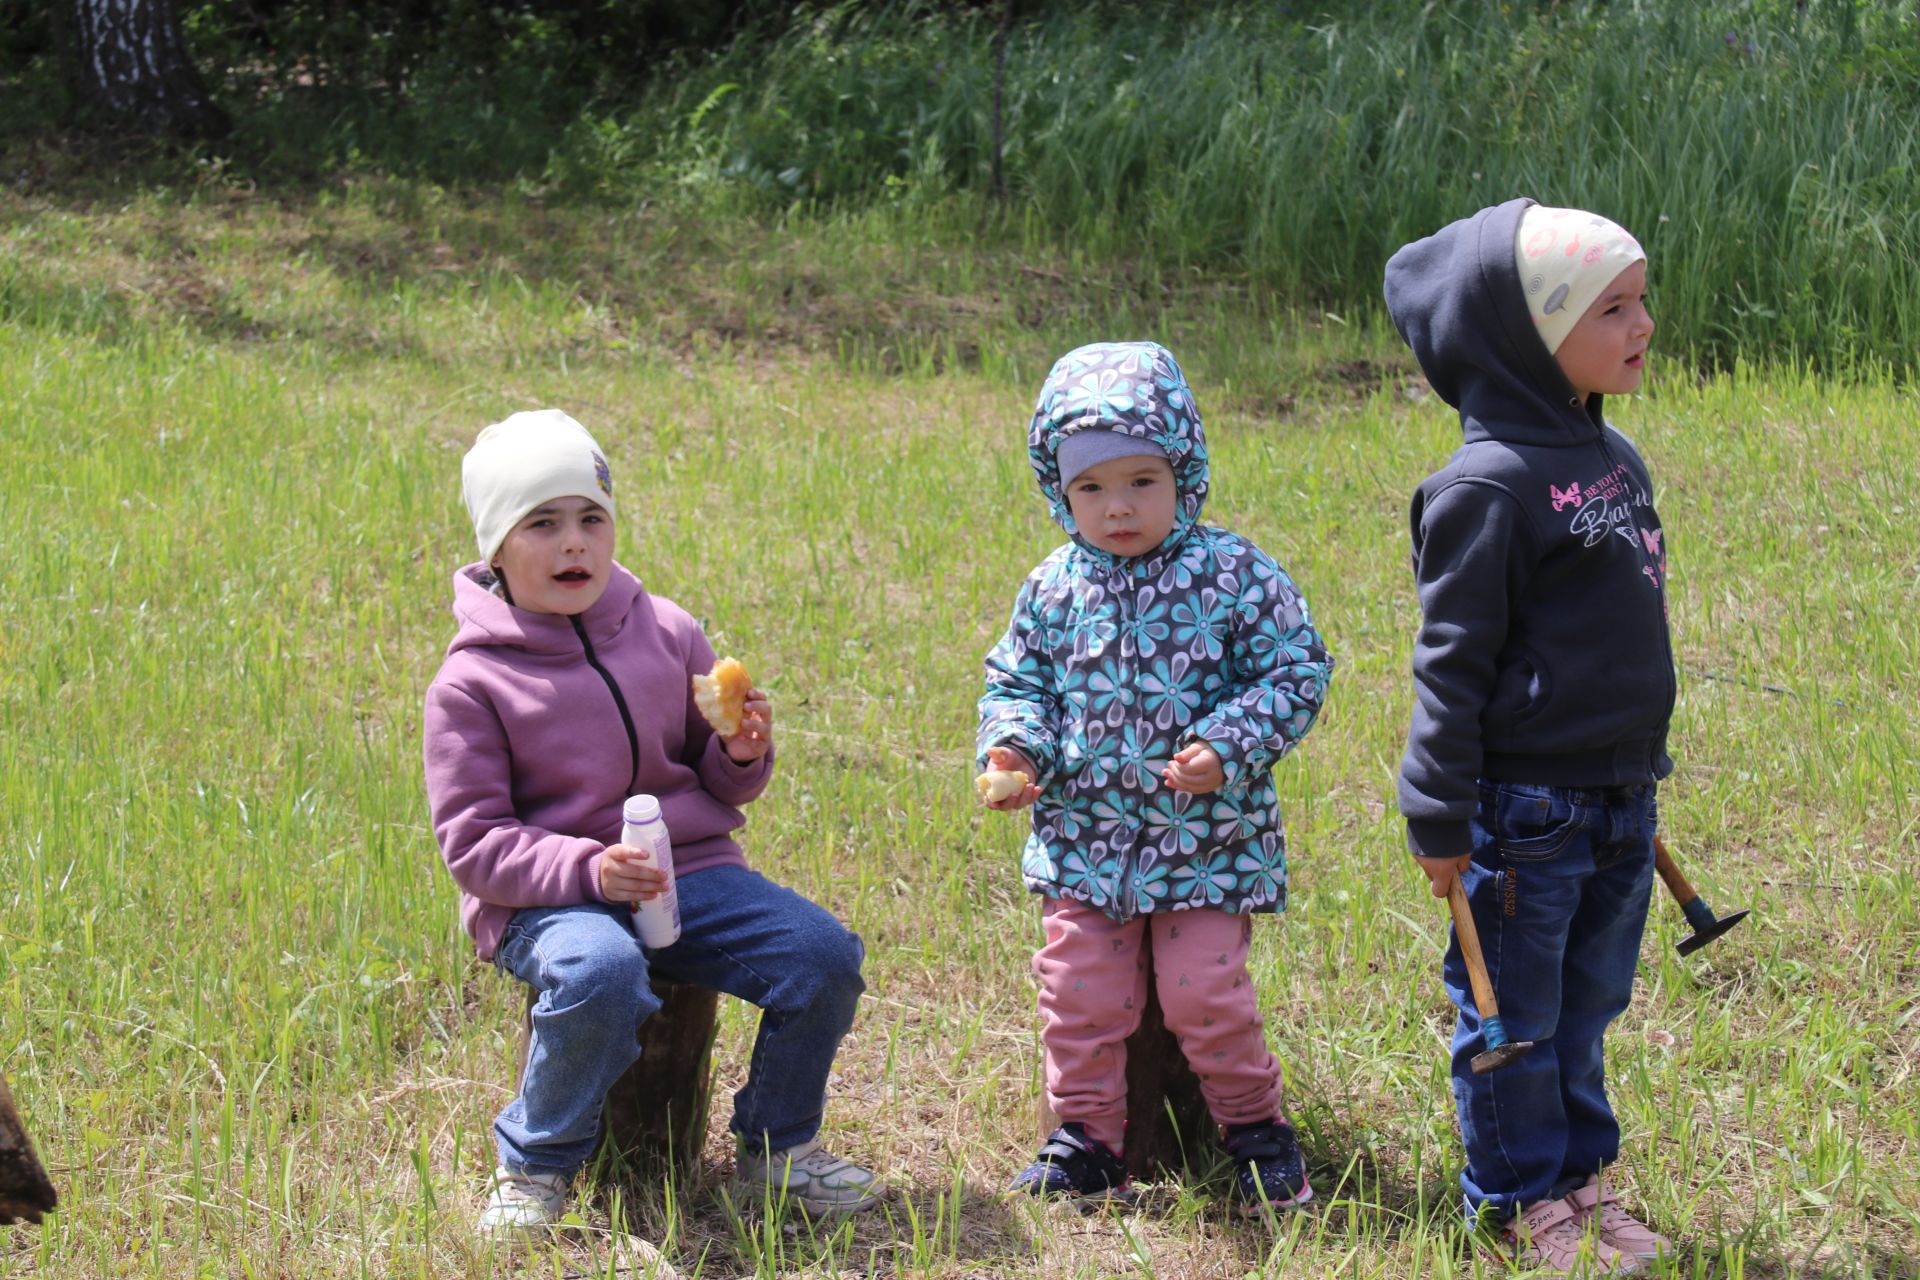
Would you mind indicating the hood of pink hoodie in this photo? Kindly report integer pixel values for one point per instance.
(487, 621)
(530, 754)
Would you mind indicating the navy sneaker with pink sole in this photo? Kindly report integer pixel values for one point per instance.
(1269, 1172)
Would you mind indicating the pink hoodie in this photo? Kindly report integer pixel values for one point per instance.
(529, 756)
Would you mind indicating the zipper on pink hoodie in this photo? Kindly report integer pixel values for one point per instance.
(524, 731)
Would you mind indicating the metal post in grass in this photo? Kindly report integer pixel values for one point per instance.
(1169, 1127)
(655, 1117)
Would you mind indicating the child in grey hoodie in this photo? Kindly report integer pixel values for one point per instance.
(1543, 681)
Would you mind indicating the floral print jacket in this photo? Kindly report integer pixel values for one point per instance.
(1112, 664)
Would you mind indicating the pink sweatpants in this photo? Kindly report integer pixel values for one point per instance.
(1093, 988)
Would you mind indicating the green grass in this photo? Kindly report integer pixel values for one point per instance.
(1756, 147)
(235, 1004)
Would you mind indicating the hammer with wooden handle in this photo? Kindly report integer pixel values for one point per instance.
(1706, 925)
(1499, 1051)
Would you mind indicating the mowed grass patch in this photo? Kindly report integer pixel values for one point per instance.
(235, 1003)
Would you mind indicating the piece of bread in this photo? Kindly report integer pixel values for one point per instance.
(996, 785)
(721, 695)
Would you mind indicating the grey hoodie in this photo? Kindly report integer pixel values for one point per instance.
(1543, 653)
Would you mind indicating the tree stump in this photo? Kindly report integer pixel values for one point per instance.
(655, 1115)
(25, 1192)
(1168, 1124)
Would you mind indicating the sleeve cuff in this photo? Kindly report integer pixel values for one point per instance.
(1427, 838)
(1013, 744)
(733, 774)
(590, 869)
(738, 769)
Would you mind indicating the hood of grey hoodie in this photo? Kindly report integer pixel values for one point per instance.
(1457, 298)
(1543, 655)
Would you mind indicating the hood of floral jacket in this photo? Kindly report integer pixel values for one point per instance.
(1111, 664)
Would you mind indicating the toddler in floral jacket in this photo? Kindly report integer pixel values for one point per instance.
(1154, 671)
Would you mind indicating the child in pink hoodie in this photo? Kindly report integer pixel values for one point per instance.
(566, 689)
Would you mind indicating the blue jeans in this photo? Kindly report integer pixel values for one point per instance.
(739, 933)
(1559, 886)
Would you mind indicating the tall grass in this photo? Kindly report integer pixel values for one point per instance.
(1766, 157)
(1764, 151)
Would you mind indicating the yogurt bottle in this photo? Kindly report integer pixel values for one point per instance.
(656, 920)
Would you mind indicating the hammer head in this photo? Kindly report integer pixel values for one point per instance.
(1499, 1056)
(1702, 937)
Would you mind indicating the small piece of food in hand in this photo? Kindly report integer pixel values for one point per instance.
(996, 785)
(721, 695)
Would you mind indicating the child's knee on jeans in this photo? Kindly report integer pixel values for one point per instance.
(835, 955)
(614, 983)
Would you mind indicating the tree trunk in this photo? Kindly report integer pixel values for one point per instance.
(130, 60)
(25, 1192)
(1001, 33)
(656, 1114)
(1169, 1127)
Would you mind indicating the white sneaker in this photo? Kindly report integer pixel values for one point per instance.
(522, 1202)
(811, 1177)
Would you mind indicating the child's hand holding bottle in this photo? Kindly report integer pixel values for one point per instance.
(627, 874)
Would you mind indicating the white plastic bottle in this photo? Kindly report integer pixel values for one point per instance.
(657, 920)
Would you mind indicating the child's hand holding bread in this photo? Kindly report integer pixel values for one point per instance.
(738, 712)
(1008, 782)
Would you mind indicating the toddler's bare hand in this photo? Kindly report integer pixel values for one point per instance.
(1013, 761)
(1195, 769)
(628, 874)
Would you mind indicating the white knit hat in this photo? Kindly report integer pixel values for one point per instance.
(1566, 257)
(528, 459)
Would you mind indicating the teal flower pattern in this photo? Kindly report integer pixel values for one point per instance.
(1092, 875)
(1262, 872)
(1140, 756)
(1104, 392)
(1111, 664)
(1205, 881)
(1200, 624)
(1179, 823)
(1150, 884)
(1170, 691)
(1233, 822)
(1146, 626)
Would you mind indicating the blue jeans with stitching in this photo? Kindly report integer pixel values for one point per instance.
(1559, 886)
(739, 933)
